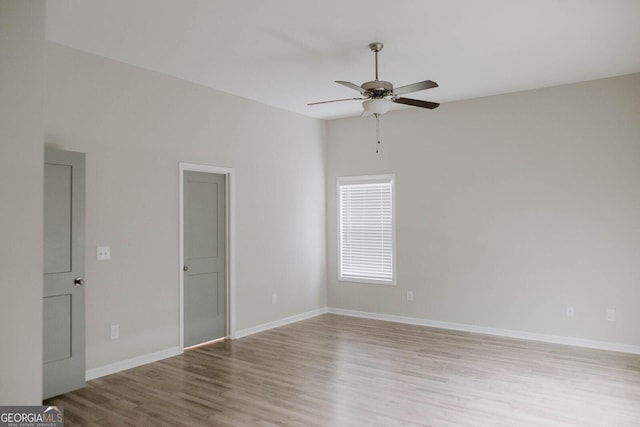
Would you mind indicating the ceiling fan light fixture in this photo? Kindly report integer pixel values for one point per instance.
(376, 106)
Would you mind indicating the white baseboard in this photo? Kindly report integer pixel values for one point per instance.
(277, 323)
(555, 339)
(123, 365)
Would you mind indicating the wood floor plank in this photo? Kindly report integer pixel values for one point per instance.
(336, 370)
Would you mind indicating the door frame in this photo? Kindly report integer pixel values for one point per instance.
(230, 241)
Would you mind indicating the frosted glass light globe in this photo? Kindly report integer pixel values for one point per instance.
(376, 106)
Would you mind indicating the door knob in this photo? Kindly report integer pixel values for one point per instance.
(79, 281)
(185, 268)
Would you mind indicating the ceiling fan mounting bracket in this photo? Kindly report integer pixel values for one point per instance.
(376, 46)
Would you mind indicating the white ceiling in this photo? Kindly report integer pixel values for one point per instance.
(287, 53)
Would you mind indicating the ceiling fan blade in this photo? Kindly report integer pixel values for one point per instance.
(416, 103)
(350, 85)
(336, 100)
(415, 87)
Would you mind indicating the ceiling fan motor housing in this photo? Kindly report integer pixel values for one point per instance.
(377, 89)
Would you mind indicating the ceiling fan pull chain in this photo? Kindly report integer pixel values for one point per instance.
(377, 132)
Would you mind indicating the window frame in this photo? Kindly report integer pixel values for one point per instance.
(366, 179)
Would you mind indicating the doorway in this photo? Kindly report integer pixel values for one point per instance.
(206, 276)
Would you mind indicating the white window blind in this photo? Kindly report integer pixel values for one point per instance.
(366, 229)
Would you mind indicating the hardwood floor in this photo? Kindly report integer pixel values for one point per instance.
(341, 371)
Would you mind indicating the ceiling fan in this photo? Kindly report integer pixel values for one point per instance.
(378, 95)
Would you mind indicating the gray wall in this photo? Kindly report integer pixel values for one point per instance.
(21, 170)
(135, 127)
(509, 208)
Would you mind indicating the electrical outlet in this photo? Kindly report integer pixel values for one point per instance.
(103, 253)
(274, 298)
(115, 332)
(570, 311)
(409, 295)
(611, 315)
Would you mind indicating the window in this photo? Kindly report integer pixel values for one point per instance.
(366, 230)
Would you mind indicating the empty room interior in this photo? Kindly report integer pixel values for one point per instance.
(353, 213)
